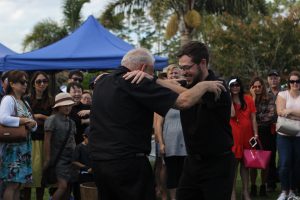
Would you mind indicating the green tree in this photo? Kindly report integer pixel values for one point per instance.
(44, 33)
(72, 13)
(48, 31)
(185, 14)
(253, 47)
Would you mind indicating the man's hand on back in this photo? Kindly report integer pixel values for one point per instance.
(137, 76)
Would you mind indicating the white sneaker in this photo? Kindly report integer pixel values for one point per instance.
(292, 196)
(282, 196)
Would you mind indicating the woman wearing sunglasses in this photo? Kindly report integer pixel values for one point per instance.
(41, 103)
(244, 127)
(16, 168)
(288, 106)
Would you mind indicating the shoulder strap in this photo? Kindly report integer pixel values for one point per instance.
(27, 106)
(63, 144)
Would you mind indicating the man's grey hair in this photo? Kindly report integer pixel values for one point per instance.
(137, 57)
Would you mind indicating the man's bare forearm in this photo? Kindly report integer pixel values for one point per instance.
(175, 88)
(190, 97)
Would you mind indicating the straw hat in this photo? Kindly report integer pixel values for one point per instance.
(63, 99)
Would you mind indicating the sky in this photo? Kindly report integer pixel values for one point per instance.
(18, 17)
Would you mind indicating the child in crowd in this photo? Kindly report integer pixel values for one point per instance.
(59, 133)
(82, 160)
(82, 163)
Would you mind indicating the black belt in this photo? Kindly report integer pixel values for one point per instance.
(208, 157)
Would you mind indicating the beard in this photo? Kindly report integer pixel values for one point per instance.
(197, 78)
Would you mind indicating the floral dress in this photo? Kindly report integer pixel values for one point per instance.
(16, 157)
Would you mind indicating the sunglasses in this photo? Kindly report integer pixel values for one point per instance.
(294, 81)
(77, 80)
(40, 81)
(186, 67)
(234, 85)
(23, 82)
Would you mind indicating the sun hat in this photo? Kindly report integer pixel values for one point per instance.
(63, 99)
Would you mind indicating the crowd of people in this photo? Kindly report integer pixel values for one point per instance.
(202, 125)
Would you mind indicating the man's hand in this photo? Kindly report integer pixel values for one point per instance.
(215, 87)
(83, 113)
(99, 76)
(137, 76)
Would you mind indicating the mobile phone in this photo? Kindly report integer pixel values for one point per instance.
(253, 142)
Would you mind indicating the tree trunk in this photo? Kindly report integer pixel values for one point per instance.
(185, 34)
(185, 37)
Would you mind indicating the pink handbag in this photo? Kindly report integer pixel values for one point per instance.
(256, 158)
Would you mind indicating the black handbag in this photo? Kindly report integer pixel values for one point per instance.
(49, 174)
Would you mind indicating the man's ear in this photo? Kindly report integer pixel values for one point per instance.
(203, 63)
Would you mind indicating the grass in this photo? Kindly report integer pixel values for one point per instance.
(271, 196)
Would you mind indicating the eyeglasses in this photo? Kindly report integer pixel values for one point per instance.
(186, 67)
(77, 79)
(234, 85)
(256, 86)
(23, 82)
(294, 81)
(40, 81)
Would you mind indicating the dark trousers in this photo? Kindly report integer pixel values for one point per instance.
(174, 165)
(127, 179)
(207, 179)
(289, 161)
(273, 173)
(268, 141)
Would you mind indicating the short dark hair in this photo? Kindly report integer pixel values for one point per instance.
(75, 72)
(73, 85)
(196, 50)
(14, 77)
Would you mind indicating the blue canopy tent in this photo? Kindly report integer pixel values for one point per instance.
(91, 46)
(3, 52)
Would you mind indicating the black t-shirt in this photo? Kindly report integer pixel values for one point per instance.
(81, 155)
(206, 127)
(122, 115)
(40, 108)
(77, 119)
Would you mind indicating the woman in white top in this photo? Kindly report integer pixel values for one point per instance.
(288, 105)
(16, 166)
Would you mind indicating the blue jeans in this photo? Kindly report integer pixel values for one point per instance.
(289, 161)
